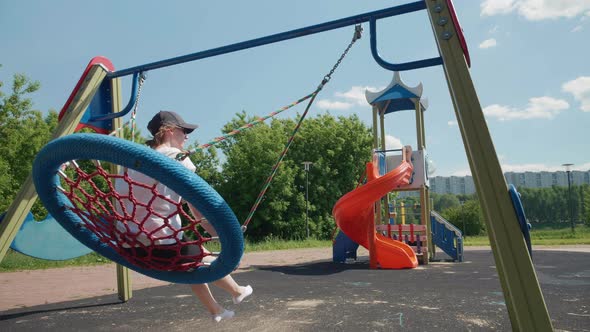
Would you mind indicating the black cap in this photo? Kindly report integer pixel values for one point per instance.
(169, 118)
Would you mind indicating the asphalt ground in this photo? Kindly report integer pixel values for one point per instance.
(325, 296)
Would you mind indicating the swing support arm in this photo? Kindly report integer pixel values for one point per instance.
(331, 25)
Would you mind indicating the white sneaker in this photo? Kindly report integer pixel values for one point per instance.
(226, 314)
(247, 291)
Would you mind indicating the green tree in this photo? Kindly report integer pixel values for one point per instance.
(23, 131)
(207, 163)
(338, 148)
(467, 217)
(445, 201)
(249, 158)
(133, 135)
(585, 203)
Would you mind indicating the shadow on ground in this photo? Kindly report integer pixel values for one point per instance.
(321, 295)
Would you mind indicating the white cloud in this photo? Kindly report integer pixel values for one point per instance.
(527, 168)
(495, 7)
(392, 142)
(326, 104)
(581, 167)
(536, 10)
(452, 123)
(580, 88)
(462, 172)
(347, 100)
(356, 94)
(537, 108)
(488, 43)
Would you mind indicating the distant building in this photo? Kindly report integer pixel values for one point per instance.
(464, 184)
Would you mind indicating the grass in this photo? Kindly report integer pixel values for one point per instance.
(14, 261)
(544, 236)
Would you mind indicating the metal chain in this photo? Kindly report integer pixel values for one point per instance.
(358, 29)
(141, 79)
(357, 35)
(131, 123)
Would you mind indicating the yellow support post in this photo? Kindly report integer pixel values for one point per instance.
(385, 199)
(26, 197)
(371, 226)
(424, 209)
(124, 289)
(522, 293)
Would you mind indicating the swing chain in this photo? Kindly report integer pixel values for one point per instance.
(140, 80)
(358, 30)
(357, 35)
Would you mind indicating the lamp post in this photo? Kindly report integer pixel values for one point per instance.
(568, 170)
(307, 164)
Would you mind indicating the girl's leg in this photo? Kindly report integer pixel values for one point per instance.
(237, 292)
(229, 285)
(203, 292)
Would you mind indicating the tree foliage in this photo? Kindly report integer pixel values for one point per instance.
(467, 217)
(445, 201)
(337, 147)
(542, 206)
(552, 205)
(23, 132)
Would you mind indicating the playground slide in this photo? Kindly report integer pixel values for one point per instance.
(46, 239)
(354, 213)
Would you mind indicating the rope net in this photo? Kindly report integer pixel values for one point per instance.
(138, 217)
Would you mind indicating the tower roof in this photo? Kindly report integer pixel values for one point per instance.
(397, 96)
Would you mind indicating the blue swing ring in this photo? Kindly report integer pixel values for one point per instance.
(167, 171)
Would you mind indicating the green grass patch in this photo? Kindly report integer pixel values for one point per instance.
(277, 244)
(544, 236)
(14, 261)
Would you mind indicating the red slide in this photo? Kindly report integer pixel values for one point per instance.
(354, 213)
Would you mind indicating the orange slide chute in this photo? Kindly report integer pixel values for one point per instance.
(355, 212)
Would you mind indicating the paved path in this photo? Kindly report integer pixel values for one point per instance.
(310, 294)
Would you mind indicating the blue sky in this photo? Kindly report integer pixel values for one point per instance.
(529, 64)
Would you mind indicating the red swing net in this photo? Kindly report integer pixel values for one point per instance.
(108, 206)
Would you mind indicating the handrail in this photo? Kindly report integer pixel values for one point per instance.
(447, 224)
(129, 107)
(397, 66)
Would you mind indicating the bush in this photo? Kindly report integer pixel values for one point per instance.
(467, 218)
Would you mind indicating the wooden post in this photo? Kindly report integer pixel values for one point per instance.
(385, 199)
(522, 293)
(124, 289)
(371, 227)
(424, 209)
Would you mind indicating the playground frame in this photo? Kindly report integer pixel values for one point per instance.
(523, 297)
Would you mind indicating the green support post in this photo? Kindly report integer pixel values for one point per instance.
(522, 293)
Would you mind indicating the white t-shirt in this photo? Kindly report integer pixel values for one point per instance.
(154, 224)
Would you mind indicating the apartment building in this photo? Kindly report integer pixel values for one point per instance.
(464, 184)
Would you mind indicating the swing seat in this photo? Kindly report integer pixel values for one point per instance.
(90, 208)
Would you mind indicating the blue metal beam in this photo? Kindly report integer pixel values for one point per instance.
(352, 20)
